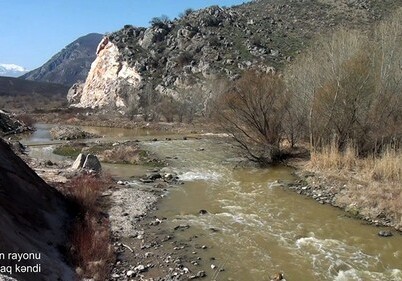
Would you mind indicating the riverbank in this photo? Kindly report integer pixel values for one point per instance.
(152, 246)
(139, 245)
(143, 246)
(367, 198)
(377, 202)
(82, 117)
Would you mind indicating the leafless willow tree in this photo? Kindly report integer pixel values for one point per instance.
(149, 103)
(253, 112)
(348, 87)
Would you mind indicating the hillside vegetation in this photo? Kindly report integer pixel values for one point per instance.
(20, 95)
(342, 99)
(181, 60)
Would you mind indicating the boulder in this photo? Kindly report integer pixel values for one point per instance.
(168, 176)
(203, 212)
(385, 233)
(87, 162)
(9, 124)
(92, 163)
(79, 162)
(154, 176)
(277, 277)
(75, 92)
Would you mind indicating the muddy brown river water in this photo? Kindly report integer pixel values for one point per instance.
(256, 227)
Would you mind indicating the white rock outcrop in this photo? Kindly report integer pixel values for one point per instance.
(110, 80)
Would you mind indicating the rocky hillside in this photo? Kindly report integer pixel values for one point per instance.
(33, 220)
(9, 124)
(136, 66)
(15, 87)
(70, 64)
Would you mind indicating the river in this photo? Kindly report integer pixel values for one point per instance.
(254, 226)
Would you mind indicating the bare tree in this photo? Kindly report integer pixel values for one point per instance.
(149, 103)
(253, 111)
(168, 108)
(191, 102)
(348, 87)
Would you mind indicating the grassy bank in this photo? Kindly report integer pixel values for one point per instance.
(369, 187)
(115, 153)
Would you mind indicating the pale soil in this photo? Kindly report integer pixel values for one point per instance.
(146, 249)
(126, 206)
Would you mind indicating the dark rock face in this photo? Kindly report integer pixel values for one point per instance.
(9, 124)
(70, 65)
(87, 162)
(92, 163)
(33, 219)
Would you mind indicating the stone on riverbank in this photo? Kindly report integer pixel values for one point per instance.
(9, 124)
(385, 233)
(87, 162)
(79, 162)
(92, 163)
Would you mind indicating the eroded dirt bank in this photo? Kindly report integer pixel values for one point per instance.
(33, 219)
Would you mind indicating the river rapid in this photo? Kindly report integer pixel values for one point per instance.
(254, 225)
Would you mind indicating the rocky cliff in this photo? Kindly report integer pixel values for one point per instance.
(173, 57)
(109, 80)
(70, 64)
(33, 220)
(9, 124)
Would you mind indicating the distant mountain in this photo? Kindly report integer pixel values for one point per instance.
(19, 95)
(10, 86)
(11, 70)
(70, 64)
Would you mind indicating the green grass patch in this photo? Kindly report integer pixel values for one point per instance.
(98, 148)
(67, 150)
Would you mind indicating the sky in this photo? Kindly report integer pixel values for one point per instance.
(32, 31)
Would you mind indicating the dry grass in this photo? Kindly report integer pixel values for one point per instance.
(373, 184)
(91, 248)
(85, 190)
(384, 168)
(330, 158)
(122, 154)
(388, 167)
